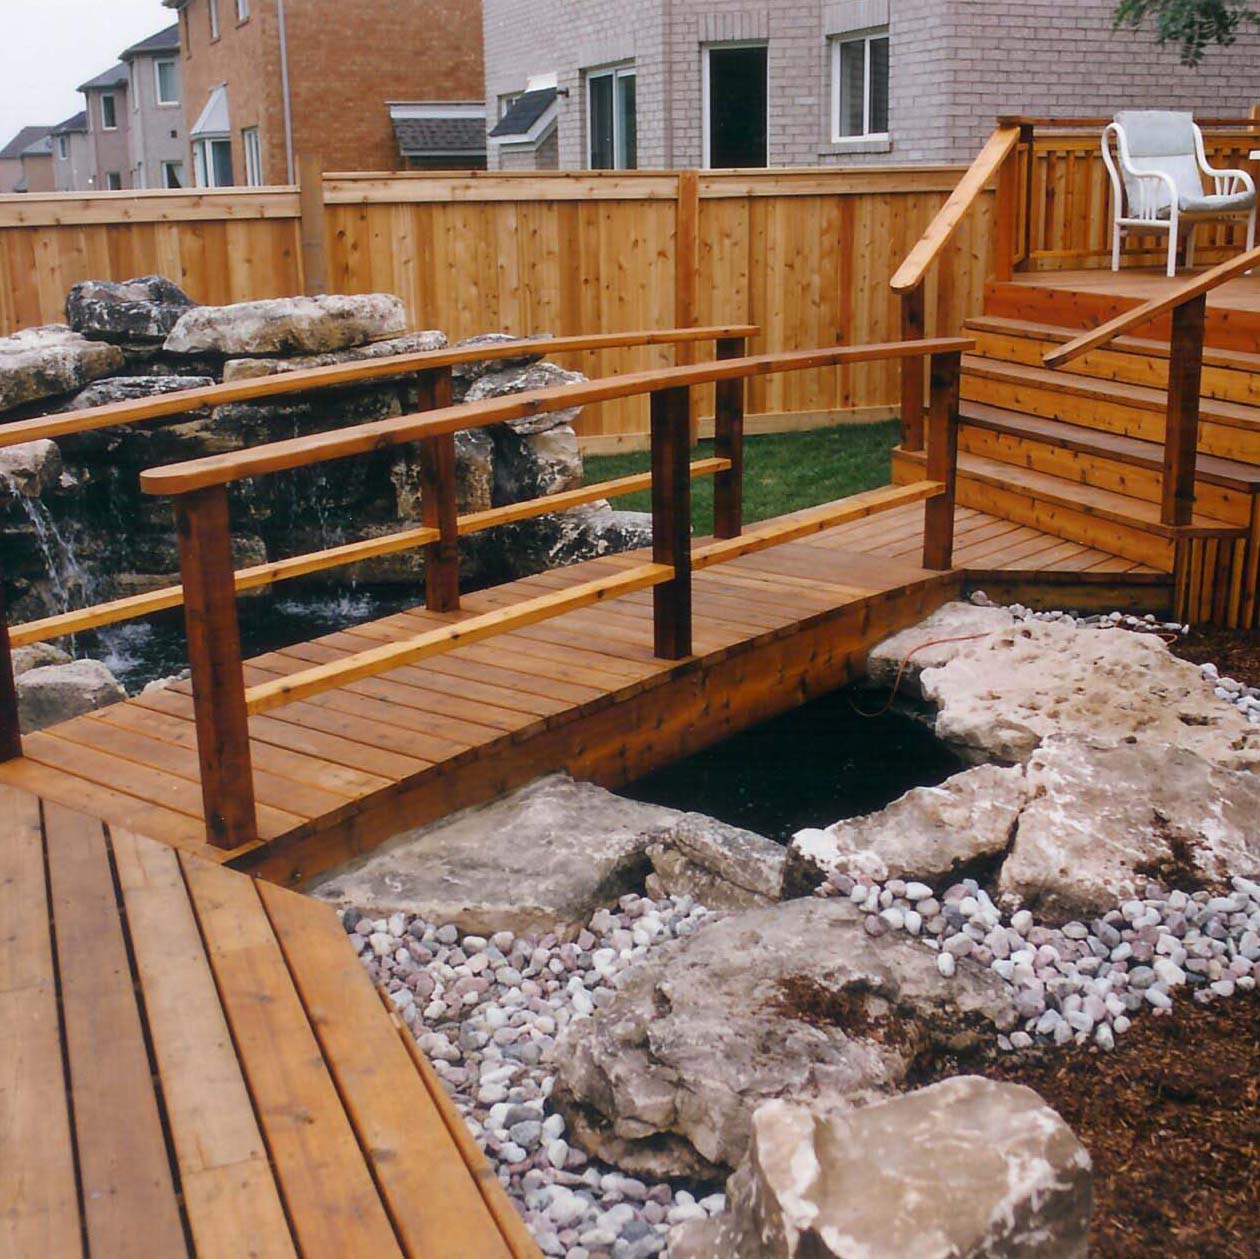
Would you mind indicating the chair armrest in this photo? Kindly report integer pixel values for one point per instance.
(1149, 210)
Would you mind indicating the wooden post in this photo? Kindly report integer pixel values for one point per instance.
(1004, 234)
(942, 461)
(912, 325)
(10, 728)
(311, 205)
(671, 521)
(687, 276)
(728, 443)
(218, 678)
(1028, 141)
(1181, 432)
(438, 507)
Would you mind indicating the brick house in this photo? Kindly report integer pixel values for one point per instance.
(266, 80)
(679, 83)
(12, 176)
(158, 143)
(108, 130)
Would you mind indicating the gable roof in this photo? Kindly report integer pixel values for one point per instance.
(115, 76)
(524, 115)
(22, 141)
(165, 40)
(76, 122)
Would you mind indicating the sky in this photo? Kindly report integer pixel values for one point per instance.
(49, 47)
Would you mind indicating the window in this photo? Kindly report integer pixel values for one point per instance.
(113, 181)
(109, 112)
(214, 18)
(506, 101)
(253, 157)
(212, 163)
(859, 85)
(242, 10)
(172, 174)
(735, 104)
(166, 72)
(612, 138)
(63, 147)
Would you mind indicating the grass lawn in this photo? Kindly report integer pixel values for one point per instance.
(783, 472)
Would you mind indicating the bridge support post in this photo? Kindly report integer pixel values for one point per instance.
(438, 507)
(912, 329)
(671, 520)
(942, 461)
(1181, 433)
(218, 677)
(728, 443)
(10, 729)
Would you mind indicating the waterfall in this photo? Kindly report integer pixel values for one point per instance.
(66, 576)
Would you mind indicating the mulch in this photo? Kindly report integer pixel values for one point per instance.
(1235, 652)
(1171, 1119)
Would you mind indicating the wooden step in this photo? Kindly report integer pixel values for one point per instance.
(1227, 429)
(1228, 375)
(1114, 522)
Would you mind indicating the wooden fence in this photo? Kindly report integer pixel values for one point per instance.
(804, 254)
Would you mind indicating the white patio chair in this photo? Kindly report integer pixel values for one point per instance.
(1160, 181)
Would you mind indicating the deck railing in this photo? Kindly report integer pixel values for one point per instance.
(222, 702)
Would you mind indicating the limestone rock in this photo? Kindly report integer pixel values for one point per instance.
(140, 310)
(30, 468)
(721, 866)
(36, 656)
(932, 834)
(128, 388)
(49, 360)
(289, 325)
(540, 859)
(499, 381)
(931, 644)
(464, 374)
(474, 475)
(795, 1000)
(145, 444)
(532, 465)
(56, 692)
(412, 343)
(1000, 696)
(1102, 822)
(965, 1169)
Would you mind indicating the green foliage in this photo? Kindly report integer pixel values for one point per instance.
(1193, 24)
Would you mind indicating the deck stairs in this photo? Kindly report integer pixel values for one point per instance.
(1078, 451)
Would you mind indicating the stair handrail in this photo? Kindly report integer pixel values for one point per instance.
(1195, 286)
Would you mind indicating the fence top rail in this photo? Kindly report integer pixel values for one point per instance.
(1080, 122)
(130, 412)
(1195, 286)
(212, 470)
(911, 273)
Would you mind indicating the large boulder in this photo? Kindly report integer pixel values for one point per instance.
(718, 865)
(140, 310)
(540, 859)
(412, 343)
(36, 656)
(798, 1001)
(554, 540)
(131, 445)
(52, 693)
(288, 325)
(31, 468)
(464, 374)
(49, 360)
(932, 834)
(500, 381)
(532, 465)
(1103, 822)
(965, 1169)
(474, 475)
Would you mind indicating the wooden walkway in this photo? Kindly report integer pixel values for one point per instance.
(193, 1062)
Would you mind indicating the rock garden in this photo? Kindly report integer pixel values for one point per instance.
(1008, 1014)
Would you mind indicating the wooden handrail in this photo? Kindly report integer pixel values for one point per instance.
(181, 478)
(1192, 287)
(1087, 121)
(339, 374)
(997, 148)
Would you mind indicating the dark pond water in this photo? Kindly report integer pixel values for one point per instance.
(810, 767)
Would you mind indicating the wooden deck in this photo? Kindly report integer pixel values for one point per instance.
(193, 1062)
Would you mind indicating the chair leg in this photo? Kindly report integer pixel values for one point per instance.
(1251, 228)
(1190, 247)
(1172, 249)
(1115, 246)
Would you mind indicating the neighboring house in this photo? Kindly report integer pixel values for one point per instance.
(680, 83)
(37, 166)
(267, 80)
(440, 135)
(158, 140)
(74, 161)
(11, 174)
(109, 128)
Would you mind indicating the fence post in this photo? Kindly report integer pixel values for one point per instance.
(1004, 244)
(438, 507)
(10, 728)
(912, 325)
(728, 443)
(1181, 430)
(218, 677)
(687, 276)
(671, 521)
(311, 205)
(942, 461)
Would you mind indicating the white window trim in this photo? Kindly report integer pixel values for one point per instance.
(706, 161)
(201, 147)
(63, 148)
(113, 174)
(242, 11)
(214, 18)
(157, 81)
(626, 70)
(164, 166)
(866, 136)
(251, 143)
(109, 96)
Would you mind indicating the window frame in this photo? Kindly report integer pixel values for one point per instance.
(113, 181)
(838, 42)
(164, 166)
(162, 101)
(242, 12)
(113, 104)
(251, 146)
(203, 161)
(213, 10)
(706, 121)
(616, 73)
(63, 148)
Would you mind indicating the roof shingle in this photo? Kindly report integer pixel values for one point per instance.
(22, 141)
(436, 136)
(525, 111)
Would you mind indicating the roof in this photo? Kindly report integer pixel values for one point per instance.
(41, 147)
(525, 113)
(166, 40)
(438, 129)
(76, 122)
(115, 76)
(22, 141)
(214, 119)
